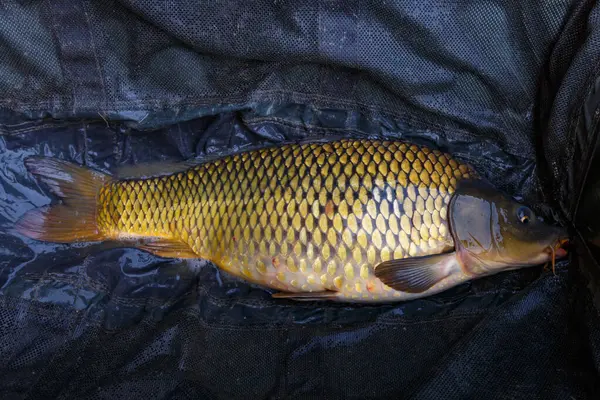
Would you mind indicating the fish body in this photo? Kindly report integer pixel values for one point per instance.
(311, 220)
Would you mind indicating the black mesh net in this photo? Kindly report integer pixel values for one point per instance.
(510, 87)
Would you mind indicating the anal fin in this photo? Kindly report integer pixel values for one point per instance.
(168, 248)
(307, 296)
(416, 274)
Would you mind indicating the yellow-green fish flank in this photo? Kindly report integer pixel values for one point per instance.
(302, 217)
(299, 218)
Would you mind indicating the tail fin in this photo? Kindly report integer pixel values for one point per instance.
(75, 219)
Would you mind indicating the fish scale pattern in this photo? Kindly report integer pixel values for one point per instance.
(300, 217)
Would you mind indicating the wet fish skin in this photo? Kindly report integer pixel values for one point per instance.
(350, 220)
(306, 217)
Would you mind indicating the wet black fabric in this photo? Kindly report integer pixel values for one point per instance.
(509, 86)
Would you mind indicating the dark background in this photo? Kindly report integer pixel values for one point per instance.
(512, 88)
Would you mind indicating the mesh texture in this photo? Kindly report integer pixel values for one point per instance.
(502, 85)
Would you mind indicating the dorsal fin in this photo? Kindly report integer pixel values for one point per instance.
(152, 169)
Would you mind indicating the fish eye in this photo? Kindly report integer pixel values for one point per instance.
(524, 215)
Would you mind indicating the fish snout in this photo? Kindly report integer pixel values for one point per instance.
(561, 247)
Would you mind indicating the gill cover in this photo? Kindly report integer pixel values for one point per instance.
(494, 232)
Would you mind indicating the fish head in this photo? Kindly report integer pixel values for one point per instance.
(493, 232)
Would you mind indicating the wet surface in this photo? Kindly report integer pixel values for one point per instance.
(106, 316)
(98, 321)
(125, 284)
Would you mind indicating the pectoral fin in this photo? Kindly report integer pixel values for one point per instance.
(168, 248)
(416, 274)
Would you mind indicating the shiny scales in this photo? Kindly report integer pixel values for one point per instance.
(301, 217)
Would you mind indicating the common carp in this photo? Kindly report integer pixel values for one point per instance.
(348, 220)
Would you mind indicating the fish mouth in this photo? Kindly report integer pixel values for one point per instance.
(558, 250)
